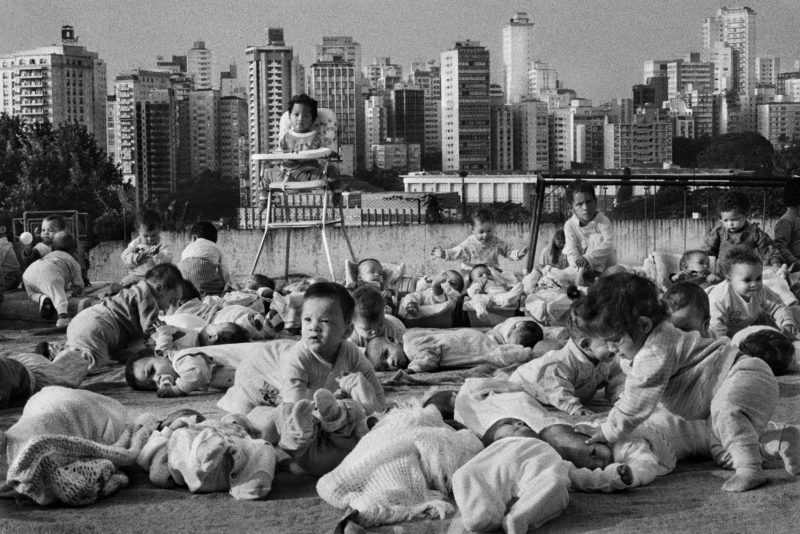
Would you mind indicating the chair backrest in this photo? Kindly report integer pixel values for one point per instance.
(325, 125)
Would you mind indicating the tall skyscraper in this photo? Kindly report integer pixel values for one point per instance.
(375, 125)
(408, 114)
(541, 78)
(198, 66)
(767, 70)
(466, 124)
(132, 89)
(382, 74)
(335, 82)
(517, 56)
(735, 27)
(204, 131)
(57, 83)
(233, 142)
(271, 76)
(530, 136)
(156, 154)
(428, 77)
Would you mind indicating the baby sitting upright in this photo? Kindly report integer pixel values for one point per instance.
(694, 267)
(486, 292)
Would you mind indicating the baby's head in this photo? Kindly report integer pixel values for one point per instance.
(583, 200)
(773, 347)
(453, 279)
(149, 227)
(526, 333)
(483, 225)
(257, 281)
(559, 239)
(688, 307)
(204, 230)
(166, 282)
(593, 346)
(370, 271)
(696, 261)
(621, 309)
(734, 208)
(385, 355)
(369, 316)
(744, 271)
(65, 242)
(508, 427)
(143, 374)
(302, 112)
(50, 225)
(571, 446)
(190, 292)
(326, 318)
(480, 273)
(223, 334)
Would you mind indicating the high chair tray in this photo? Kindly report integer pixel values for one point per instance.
(303, 154)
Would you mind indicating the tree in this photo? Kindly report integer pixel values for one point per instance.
(685, 150)
(43, 168)
(742, 150)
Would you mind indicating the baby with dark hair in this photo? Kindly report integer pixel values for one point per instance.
(768, 344)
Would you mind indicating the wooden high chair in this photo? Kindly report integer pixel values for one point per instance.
(277, 194)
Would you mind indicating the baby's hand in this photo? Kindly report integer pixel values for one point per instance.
(713, 279)
(523, 251)
(625, 474)
(596, 437)
(438, 252)
(437, 288)
(582, 263)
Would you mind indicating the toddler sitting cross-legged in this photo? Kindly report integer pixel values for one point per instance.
(510, 342)
(177, 371)
(570, 377)
(742, 300)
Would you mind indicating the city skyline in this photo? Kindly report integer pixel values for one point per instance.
(608, 63)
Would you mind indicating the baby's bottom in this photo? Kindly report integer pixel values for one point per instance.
(318, 436)
(44, 280)
(95, 333)
(741, 409)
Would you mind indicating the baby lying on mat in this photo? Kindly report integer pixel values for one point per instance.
(511, 341)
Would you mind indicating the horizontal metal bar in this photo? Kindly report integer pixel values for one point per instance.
(665, 180)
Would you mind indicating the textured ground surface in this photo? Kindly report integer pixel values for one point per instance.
(688, 500)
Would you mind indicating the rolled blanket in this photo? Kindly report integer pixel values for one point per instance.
(74, 470)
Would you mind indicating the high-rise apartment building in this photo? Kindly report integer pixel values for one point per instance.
(466, 124)
(783, 78)
(429, 79)
(375, 125)
(541, 78)
(133, 88)
(111, 106)
(643, 142)
(517, 56)
(502, 137)
(204, 131)
(233, 143)
(767, 70)
(779, 122)
(271, 75)
(334, 84)
(198, 66)
(530, 126)
(407, 117)
(735, 27)
(57, 83)
(155, 147)
(340, 48)
(382, 74)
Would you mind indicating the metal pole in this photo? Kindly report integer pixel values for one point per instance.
(646, 191)
(764, 208)
(536, 222)
(684, 218)
(655, 246)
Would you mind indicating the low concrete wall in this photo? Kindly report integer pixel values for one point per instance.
(411, 244)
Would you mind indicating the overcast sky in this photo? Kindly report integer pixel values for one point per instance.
(597, 46)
